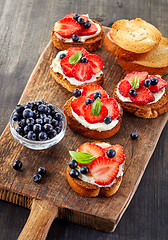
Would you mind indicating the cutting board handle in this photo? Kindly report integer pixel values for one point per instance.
(39, 221)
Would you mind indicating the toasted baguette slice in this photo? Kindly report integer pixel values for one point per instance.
(146, 111)
(70, 87)
(91, 44)
(78, 127)
(114, 49)
(135, 35)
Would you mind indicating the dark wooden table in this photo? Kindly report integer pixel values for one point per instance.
(24, 32)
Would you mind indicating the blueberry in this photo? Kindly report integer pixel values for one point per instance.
(84, 170)
(51, 106)
(48, 110)
(87, 24)
(27, 128)
(75, 38)
(107, 120)
(111, 152)
(74, 173)
(42, 108)
(30, 121)
(48, 127)
(55, 123)
(28, 113)
(76, 16)
(50, 117)
(97, 94)
(84, 60)
(36, 114)
(147, 82)
(39, 120)
(47, 120)
(80, 20)
(132, 92)
(29, 105)
(15, 117)
(58, 116)
(58, 130)
(62, 55)
(43, 115)
(22, 123)
(20, 131)
(73, 164)
(19, 108)
(37, 177)
(154, 80)
(42, 136)
(17, 165)
(77, 92)
(53, 134)
(31, 135)
(60, 124)
(89, 101)
(41, 171)
(134, 135)
(37, 128)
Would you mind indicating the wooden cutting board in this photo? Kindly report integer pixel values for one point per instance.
(54, 197)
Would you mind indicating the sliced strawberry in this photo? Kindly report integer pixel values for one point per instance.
(89, 31)
(89, 89)
(72, 14)
(143, 96)
(66, 67)
(120, 153)
(141, 75)
(95, 62)
(124, 88)
(156, 88)
(112, 107)
(104, 170)
(73, 50)
(66, 27)
(82, 72)
(90, 118)
(78, 105)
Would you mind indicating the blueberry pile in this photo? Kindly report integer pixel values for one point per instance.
(74, 173)
(37, 121)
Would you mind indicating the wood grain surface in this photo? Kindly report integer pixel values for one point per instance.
(25, 30)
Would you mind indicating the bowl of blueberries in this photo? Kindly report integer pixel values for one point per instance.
(38, 125)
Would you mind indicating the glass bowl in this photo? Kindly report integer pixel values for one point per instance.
(38, 145)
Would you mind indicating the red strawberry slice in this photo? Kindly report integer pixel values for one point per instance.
(156, 88)
(73, 50)
(112, 107)
(104, 170)
(141, 75)
(120, 153)
(89, 89)
(89, 31)
(66, 27)
(95, 62)
(72, 14)
(82, 72)
(66, 67)
(124, 88)
(78, 105)
(90, 118)
(143, 96)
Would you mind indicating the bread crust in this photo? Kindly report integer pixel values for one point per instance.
(91, 190)
(91, 44)
(135, 35)
(70, 87)
(78, 127)
(148, 110)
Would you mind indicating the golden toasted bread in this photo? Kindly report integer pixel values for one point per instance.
(78, 127)
(91, 44)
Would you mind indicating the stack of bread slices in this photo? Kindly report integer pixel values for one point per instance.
(138, 46)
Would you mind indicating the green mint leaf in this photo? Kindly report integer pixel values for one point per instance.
(74, 59)
(135, 83)
(82, 157)
(96, 107)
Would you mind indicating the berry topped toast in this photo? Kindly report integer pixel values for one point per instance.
(92, 113)
(142, 94)
(76, 67)
(96, 169)
(77, 30)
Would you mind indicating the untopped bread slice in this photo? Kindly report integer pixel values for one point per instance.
(135, 35)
